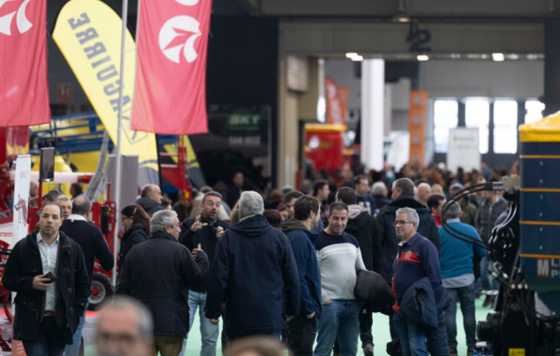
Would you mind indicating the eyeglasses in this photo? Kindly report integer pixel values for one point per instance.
(402, 222)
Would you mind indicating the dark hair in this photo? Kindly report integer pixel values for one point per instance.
(318, 185)
(406, 187)
(347, 195)
(212, 193)
(434, 200)
(273, 217)
(294, 194)
(337, 205)
(359, 177)
(138, 214)
(304, 206)
(52, 204)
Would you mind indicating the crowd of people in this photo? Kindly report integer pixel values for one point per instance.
(283, 265)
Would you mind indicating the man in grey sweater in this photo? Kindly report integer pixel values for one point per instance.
(339, 258)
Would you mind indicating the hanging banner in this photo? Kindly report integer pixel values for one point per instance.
(172, 50)
(21, 197)
(417, 119)
(87, 33)
(24, 93)
(337, 102)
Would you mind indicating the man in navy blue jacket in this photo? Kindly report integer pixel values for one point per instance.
(417, 258)
(302, 328)
(254, 274)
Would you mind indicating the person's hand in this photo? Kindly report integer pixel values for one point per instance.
(197, 224)
(220, 232)
(214, 321)
(327, 301)
(290, 318)
(197, 250)
(310, 316)
(41, 282)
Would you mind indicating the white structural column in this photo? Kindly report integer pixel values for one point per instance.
(373, 101)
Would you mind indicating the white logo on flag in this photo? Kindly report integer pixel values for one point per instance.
(172, 40)
(172, 36)
(22, 22)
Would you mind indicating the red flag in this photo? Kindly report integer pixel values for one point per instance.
(24, 93)
(172, 43)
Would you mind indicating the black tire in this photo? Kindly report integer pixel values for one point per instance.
(100, 290)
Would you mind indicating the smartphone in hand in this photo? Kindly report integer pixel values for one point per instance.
(50, 276)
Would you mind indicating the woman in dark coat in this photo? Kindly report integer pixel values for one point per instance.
(136, 223)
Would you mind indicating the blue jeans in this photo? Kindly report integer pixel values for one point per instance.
(339, 322)
(412, 337)
(74, 348)
(208, 331)
(42, 348)
(464, 296)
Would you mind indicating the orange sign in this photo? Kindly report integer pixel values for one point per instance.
(337, 102)
(417, 119)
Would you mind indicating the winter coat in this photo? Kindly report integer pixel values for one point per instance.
(159, 273)
(254, 274)
(132, 237)
(92, 242)
(149, 205)
(418, 304)
(365, 229)
(72, 288)
(389, 240)
(307, 266)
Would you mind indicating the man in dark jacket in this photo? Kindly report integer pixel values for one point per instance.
(254, 273)
(363, 227)
(93, 245)
(150, 199)
(361, 186)
(302, 328)
(159, 273)
(204, 231)
(47, 271)
(416, 259)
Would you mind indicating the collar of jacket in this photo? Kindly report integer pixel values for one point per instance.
(407, 202)
(162, 235)
(64, 244)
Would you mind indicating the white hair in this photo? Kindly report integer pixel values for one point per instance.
(379, 188)
(250, 203)
(411, 214)
(162, 219)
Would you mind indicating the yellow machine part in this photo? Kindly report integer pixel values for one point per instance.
(545, 130)
(60, 165)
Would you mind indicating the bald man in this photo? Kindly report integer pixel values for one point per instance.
(423, 192)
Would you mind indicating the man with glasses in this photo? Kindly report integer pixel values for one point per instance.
(204, 232)
(417, 258)
(159, 273)
(123, 327)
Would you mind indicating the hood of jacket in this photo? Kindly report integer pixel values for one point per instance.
(292, 224)
(163, 235)
(354, 210)
(254, 226)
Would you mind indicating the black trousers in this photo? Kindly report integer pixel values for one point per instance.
(300, 334)
(366, 322)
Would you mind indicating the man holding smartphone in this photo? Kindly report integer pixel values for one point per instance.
(47, 271)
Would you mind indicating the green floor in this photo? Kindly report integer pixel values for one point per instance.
(380, 326)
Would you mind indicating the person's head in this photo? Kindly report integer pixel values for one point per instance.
(81, 205)
(437, 189)
(273, 217)
(361, 184)
(455, 188)
(152, 192)
(123, 327)
(406, 223)
(238, 179)
(250, 203)
(435, 202)
(51, 196)
(403, 188)
(338, 218)
(211, 203)
(50, 219)
(423, 192)
(65, 204)
(454, 211)
(285, 211)
(256, 346)
(165, 221)
(76, 189)
(306, 209)
(290, 200)
(379, 189)
(321, 190)
(135, 215)
(347, 195)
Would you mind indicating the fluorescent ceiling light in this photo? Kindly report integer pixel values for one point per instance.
(422, 57)
(354, 56)
(498, 57)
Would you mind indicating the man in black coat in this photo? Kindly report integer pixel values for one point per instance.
(150, 199)
(204, 231)
(159, 273)
(254, 274)
(48, 272)
(364, 228)
(93, 245)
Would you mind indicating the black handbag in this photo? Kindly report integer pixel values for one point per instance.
(372, 289)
